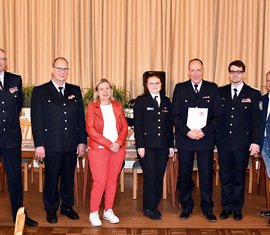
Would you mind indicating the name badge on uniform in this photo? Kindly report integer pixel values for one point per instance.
(150, 108)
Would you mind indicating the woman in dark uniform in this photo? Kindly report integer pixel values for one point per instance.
(154, 142)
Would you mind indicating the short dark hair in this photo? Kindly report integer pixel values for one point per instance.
(237, 63)
(59, 58)
(153, 75)
(195, 59)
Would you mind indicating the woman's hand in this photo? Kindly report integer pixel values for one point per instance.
(114, 147)
(141, 152)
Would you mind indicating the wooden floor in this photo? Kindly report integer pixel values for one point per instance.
(132, 220)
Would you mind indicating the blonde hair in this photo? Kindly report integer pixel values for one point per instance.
(103, 80)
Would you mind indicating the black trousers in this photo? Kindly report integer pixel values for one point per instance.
(59, 180)
(11, 159)
(205, 167)
(232, 170)
(153, 164)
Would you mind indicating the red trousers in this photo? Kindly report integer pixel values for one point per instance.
(105, 166)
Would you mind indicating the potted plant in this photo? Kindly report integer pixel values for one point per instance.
(27, 94)
(119, 93)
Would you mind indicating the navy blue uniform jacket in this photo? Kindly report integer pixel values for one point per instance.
(58, 121)
(184, 98)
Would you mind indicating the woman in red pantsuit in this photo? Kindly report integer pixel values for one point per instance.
(107, 129)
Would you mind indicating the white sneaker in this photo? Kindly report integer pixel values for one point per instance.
(110, 216)
(94, 219)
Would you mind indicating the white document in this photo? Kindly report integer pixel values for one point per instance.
(197, 118)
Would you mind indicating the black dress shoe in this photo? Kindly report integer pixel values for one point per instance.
(265, 213)
(158, 212)
(225, 214)
(237, 215)
(51, 217)
(151, 214)
(70, 213)
(210, 216)
(29, 222)
(184, 215)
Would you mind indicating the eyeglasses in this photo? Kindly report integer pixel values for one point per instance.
(59, 69)
(236, 72)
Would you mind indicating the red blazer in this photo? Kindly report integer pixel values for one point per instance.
(95, 125)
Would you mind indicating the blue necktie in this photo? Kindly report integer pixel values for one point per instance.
(267, 126)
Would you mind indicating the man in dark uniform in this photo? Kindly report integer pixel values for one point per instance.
(238, 137)
(266, 135)
(11, 100)
(58, 126)
(200, 99)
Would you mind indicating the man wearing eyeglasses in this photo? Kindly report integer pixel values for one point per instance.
(238, 137)
(58, 126)
(11, 101)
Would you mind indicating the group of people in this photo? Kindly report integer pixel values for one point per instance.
(232, 117)
(60, 136)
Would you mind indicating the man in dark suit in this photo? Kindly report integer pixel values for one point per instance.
(200, 99)
(58, 126)
(238, 137)
(266, 135)
(11, 100)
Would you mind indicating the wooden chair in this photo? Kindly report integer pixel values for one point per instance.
(41, 167)
(27, 156)
(263, 180)
(2, 177)
(251, 170)
(20, 220)
(78, 179)
(196, 172)
(216, 168)
(267, 190)
(137, 169)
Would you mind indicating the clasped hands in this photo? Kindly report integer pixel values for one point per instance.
(195, 134)
(114, 147)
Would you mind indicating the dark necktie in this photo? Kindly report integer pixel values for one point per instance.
(61, 90)
(235, 94)
(1, 85)
(196, 88)
(156, 101)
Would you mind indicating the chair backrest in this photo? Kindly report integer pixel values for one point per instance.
(26, 128)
